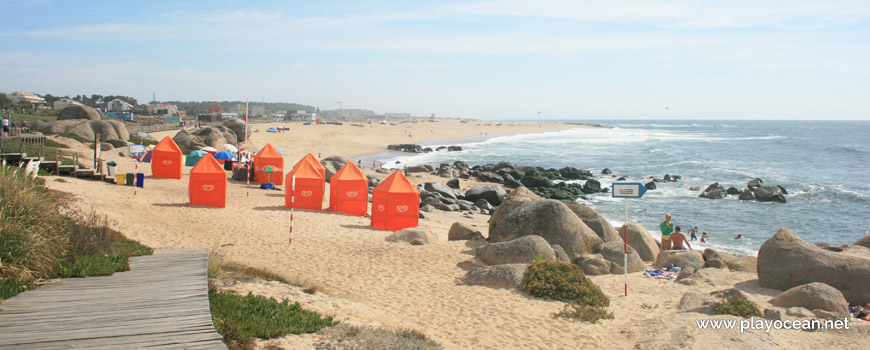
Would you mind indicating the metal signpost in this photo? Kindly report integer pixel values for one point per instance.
(627, 190)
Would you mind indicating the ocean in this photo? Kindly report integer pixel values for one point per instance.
(824, 166)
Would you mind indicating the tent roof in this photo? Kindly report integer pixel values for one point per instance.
(396, 183)
(167, 145)
(349, 172)
(207, 165)
(268, 151)
(311, 159)
(305, 170)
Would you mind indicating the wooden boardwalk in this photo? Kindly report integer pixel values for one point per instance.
(162, 302)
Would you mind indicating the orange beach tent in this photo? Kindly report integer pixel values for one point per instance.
(268, 156)
(309, 187)
(395, 204)
(349, 191)
(166, 160)
(311, 159)
(208, 183)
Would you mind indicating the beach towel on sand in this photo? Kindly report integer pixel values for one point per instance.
(659, 274)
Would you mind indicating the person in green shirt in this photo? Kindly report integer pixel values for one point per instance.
(667, 228)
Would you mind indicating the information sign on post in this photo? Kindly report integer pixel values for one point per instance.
(627, 190)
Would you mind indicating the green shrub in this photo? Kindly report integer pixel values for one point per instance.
(575, 311)
(736, 305)
(563, 282)
(93, 265)
(54, 144)
(142, 141)
(345, 336)
(76, 137)
(239, 318)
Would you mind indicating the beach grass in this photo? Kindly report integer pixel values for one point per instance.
(142, 141)
(587, 313)
(41, 238)
(220, 269)
(345, 336)
(563, 282)
(76, 137)
(736, 305)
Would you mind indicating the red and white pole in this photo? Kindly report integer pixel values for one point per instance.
(625, 247)
(292, 204)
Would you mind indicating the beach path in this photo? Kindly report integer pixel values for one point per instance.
(161, 302)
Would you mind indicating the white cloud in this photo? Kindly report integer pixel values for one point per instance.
(241, 16)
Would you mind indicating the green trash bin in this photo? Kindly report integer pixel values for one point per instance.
(130, 179)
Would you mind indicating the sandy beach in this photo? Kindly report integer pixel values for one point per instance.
(367, 281)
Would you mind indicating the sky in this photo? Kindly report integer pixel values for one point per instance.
(499, 59)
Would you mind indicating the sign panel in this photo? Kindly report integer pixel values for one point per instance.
(628, 190)
(136, 149)
(142, 134)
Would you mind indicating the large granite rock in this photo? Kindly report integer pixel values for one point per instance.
(743, 264)
(493, 194)
(770, 194)
(88, 129)
(498, 276)
(708, 276)
(681, 258)
(332, 164)
(642, 241)
(714, 191)
(583, 212)
(516, 199)
(717, 259)
(786, 261)
(614, 252)
(864, 242)
(461, 231)
(414, 236)
(593, 264)
(439, 188)
(697, 302)
(78, 112)
(604, 230)
(237, 125)
(520, 250)
(814, 296)
(552, 220)
(212, 136)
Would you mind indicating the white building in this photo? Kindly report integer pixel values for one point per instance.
(303, 116)
(397, 116)
(229, 116)
(166, 110)
(118, 105)
(65, 102)
(32, 99)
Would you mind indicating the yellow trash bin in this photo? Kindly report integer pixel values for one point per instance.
(120, 179)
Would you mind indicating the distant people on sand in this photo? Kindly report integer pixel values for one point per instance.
(738, 237)
(677, 240)
(704, 237)
(667, 227)
(694, 233)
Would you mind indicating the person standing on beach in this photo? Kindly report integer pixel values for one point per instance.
(667, 227)
(677, 239)
(5, 126)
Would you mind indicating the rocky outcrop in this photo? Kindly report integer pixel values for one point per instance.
(552, 220)
(420, 169)
(237, 125)
(411, 148)
(707, 276)
(770, 194)
(864, 242)
(332, 164)
(561, 255)
(492, 194)
(746, 195)
(461, 231)
(614, 252)
(520, 250)
(697, 302)
(439, 188)
(814, 296)
(78, 112)
(498, 276)
(414, 236)
(714, 191)
(210, 136)
(642, 241)
(743, 264)
(515, 200)
(88, 129)
(583, 212)
(786, 261)
(716, 258)
(593, 264)
(453, 183)
(681, 258)
(604, 230)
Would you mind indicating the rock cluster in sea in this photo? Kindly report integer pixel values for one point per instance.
(413, 148)
(755, 190)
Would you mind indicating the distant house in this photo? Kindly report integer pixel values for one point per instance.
(120, 115)
(29, 98)
(303, 116)
(118, 105)
(165, 110)
(65, 102)
(229, 116)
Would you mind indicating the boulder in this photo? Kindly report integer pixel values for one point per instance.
(498, 276)
(332, 163)
(503, 165)
(732, 191)
(814, 296)
(585, 213)
(772, 314)
(212, 136)
(561, 255)
(714, 191)
(769, 194)
(88, 129)
(697, 302)
(427, 208)
(593, 264)
(420, 169)
(465, 205)
(236, 126)
(604, 231)
(864, 242)
(518, 198)
(753, 185)
(685, 273)
(492, 194)
(716, 258)
(746, 195)
(642, 241)
(614, 252)
(453, 183)
(743, 264)
(454, 148)
(431, 201)
(786, 261)
(440, 189)
(414, 235)
(552, 220)
(650, 185)
(406, 148)
(489, 176)
(536, 181)
(78, 112)
(707, 276)
(681, 258)
(592, 186)
(606, 171)
(449, 207)
(118, 143)
(105, 146)
(462, 231)
(483, 204)
(520, 250)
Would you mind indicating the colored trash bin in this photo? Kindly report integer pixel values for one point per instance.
(228, 164)
(131, 178)
(140, 180)
(120, 179)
